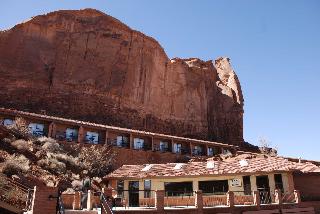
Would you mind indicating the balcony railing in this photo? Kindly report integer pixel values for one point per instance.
(161, 148)
(182, 151)
(198, 152)
(122, 143)
(61, 136)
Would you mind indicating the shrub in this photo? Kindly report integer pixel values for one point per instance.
(16, 165)
(44, 139)
(51, 146)
(97, 160)
(77, 185)
(53, 165)
(20, 128)
(68, 160)
(22, 145)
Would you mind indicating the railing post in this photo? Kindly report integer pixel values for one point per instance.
(159, 200)
(297, 196)
(256, 198)
(80, 134)
(89, 203)
(77, 201)
(278, 196)
(230, 199)
(199, 200)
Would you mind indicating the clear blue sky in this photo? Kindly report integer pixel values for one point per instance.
(274, 47)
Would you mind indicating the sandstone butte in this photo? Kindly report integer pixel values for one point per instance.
(86, 65)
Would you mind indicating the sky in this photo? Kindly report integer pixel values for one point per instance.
(274, 47)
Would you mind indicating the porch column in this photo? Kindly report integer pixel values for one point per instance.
(256, 198)
(290, 182)
(195, 185)
(52, 130)
(191, 146)
(272, 186)
(172, 146)
(80, 134)
(152, 146)
(89, 200)
(297, 196)
(253, 181)
(159, 200)
(107, 136)
(199, 201)
(230, 199)
(131, 141)
(207, 147)
(278, 196)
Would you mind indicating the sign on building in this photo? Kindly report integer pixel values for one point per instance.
(236, 182)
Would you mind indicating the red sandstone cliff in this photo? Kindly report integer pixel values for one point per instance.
(87, 65)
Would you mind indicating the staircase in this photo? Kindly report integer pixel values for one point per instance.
(14, 196)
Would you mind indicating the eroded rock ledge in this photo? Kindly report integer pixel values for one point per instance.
(84, 64)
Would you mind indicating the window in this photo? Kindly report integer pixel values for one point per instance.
(122, 141)
(278, 182)
(197, 150)
(147, 188)
(7, 122)
(120, 188)
(138, 143)
(178, 188)
(177, 148)
(163, 146)
(210, 151)
(71, 134)
(246, 185)
(219, 187)
(36, 129)
(92, 137)
(226, 151)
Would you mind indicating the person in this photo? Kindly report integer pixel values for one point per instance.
(86, 185)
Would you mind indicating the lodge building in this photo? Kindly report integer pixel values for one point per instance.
(69, 130)
(241, 175)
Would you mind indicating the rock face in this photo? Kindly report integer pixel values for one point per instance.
(87, 65)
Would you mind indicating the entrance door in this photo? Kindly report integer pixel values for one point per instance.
(264, 189)
(133, 193)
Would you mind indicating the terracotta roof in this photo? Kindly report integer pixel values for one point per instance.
(255, 164)
(112, 128)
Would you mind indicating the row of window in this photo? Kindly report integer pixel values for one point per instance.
(71, 134)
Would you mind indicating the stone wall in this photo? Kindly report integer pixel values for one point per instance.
(44, 200)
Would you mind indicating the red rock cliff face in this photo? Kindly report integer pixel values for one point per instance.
(87, 65)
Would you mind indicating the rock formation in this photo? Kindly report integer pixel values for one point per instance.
(84, 64)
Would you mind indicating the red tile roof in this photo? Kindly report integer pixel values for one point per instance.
(256, 164)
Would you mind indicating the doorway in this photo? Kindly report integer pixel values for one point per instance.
(133, 193)
(264, 189)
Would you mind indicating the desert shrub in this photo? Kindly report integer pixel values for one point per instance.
(22, 145)
(68, 160)
(77, 185)
(16, 165)
(53, 165)
(6, 140)
(51, 146)
(20, 129)
(44, 139)
(97, 160)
